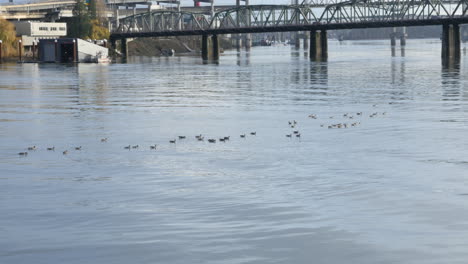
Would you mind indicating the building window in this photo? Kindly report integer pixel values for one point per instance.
(53, 29)
(63, 28)
(43, 28)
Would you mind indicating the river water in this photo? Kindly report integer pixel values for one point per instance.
(392, 188)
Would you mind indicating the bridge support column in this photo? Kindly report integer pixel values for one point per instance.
(210, 48)
(318, 45)
(393, 38)
(238, 42)
(215, 43)
(1, 50)
(297, 41)
(248, 41)
(403, 36)
(306, 39)
(116, 15)
(124, 48)
(113, 46)
(450, 41)
(204, 47)
(324, 44)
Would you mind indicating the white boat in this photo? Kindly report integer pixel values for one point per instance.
(103, 59)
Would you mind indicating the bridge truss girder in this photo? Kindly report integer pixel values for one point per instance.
(264, 17)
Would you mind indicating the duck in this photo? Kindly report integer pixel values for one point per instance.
(289, 135)
(198, 136)
(153, 147)
(222, 140)
(201, 138)
(65, 152)
(78, 148)
(242, 136)
(296, 132)
(172, 141)
(253, 133)
(51, 148)
(227, 138)
(298, 135)
(103, 139)
(127, 147)
(181, 137)
(23, 153)
(313, 116)
(211, 140)
(32, 148)
(135, 147)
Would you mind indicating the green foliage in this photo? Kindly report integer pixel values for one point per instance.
(8, 37)
(98, 31)
(86, 23)
(93, 9)
(81, 22)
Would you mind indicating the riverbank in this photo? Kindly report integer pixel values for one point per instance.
(156, 46)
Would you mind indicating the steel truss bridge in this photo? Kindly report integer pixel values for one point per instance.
(280, 18)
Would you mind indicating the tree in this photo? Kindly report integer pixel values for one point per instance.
(81, 21)
(88, 20)
(98, 31)
(8, 37)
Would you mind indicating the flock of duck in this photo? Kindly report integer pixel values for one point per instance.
(292, 124)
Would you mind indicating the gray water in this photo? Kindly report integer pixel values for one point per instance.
(391, 189)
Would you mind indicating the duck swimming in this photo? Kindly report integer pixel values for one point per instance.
(23, 153)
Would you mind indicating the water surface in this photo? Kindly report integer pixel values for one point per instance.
(392, 189)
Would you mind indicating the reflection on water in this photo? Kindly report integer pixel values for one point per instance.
(389, 189)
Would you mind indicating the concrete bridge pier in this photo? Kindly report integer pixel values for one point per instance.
(297, 40)
(113, 46)
(204, 48)
(248, 41)
(393, 37)
(450, 41)
(403, 36)
(124, 48)
(318, 45)
(239, 42)
(210, 47)
(306, 39)
(215, 42)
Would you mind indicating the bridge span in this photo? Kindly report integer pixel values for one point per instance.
(317, 20)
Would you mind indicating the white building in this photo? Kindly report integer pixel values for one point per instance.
(29, 31)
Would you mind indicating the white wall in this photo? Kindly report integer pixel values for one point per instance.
(40, 29)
